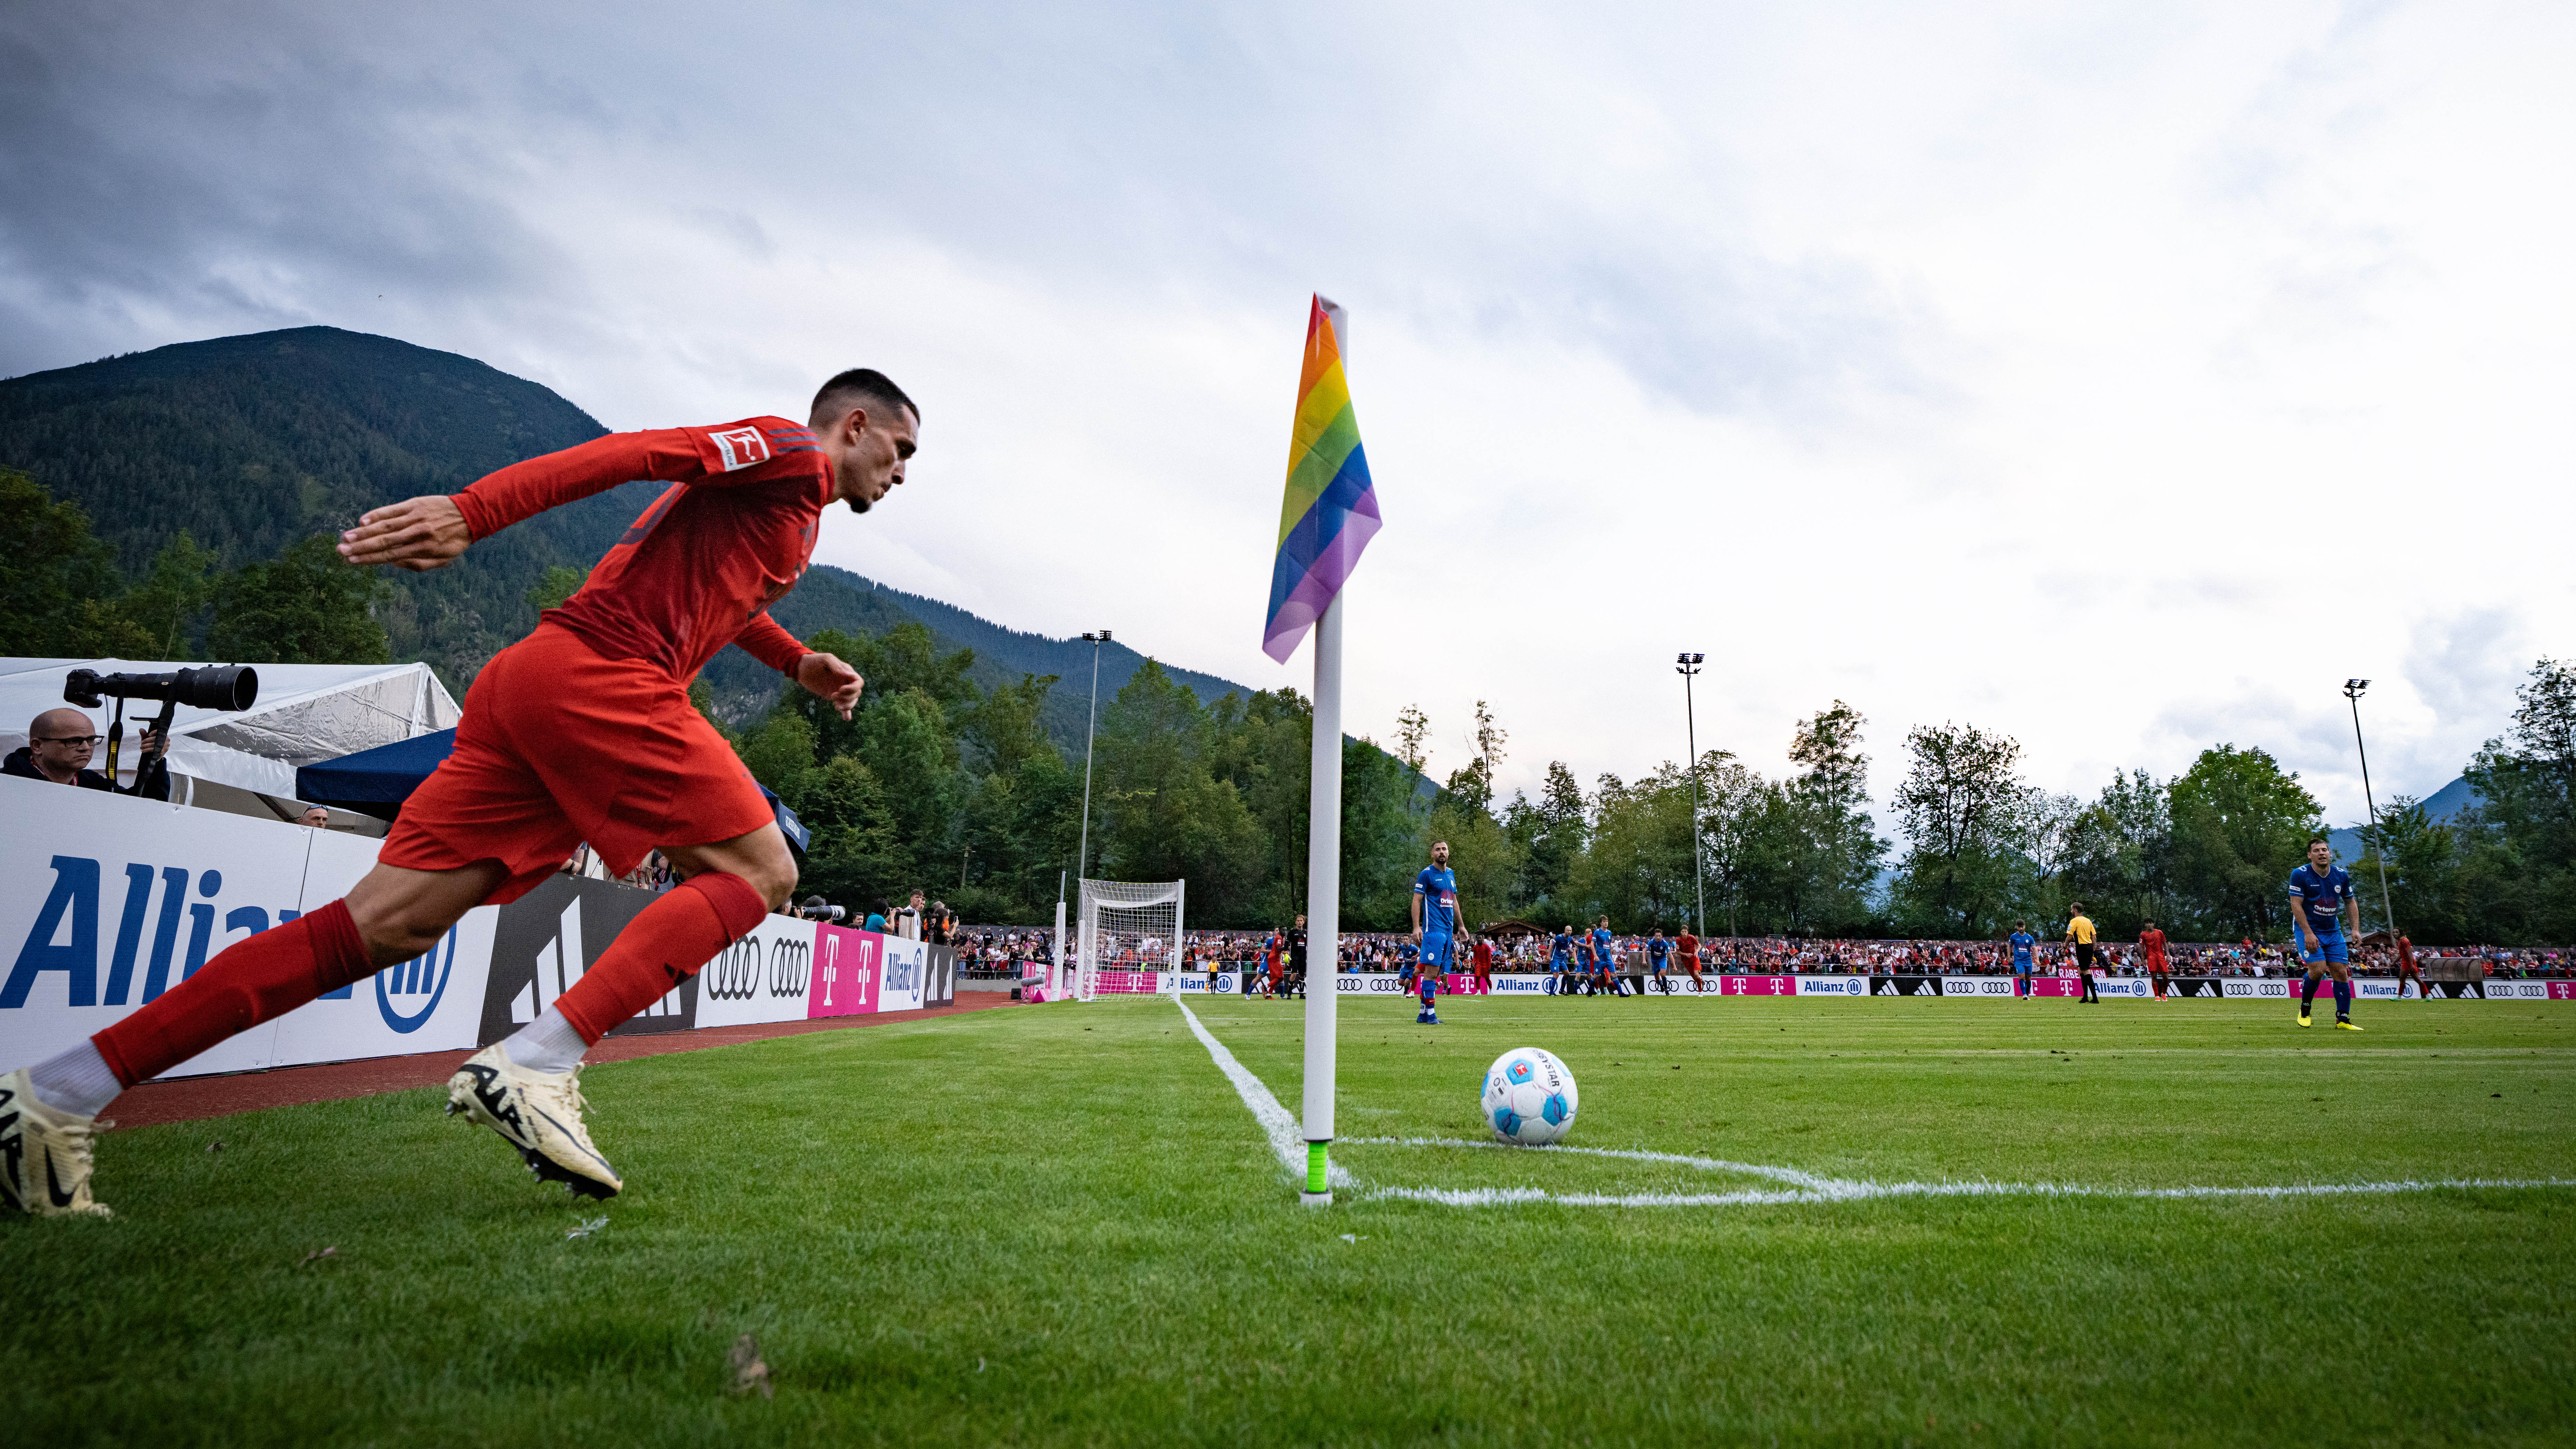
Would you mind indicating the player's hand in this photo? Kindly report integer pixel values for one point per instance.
(418, 534)
(1417, 935)
(831, 681)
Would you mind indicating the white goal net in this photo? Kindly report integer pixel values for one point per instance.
(1126, 932)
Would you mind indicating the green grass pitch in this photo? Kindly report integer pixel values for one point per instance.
(1061, 1224)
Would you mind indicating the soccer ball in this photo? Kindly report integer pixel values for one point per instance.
(1529, 1097)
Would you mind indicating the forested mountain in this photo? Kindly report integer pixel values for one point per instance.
(248, 444)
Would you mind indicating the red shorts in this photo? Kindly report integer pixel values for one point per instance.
(558, 746)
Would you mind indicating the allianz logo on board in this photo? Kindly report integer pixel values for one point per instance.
(66, 938)
(902, 971)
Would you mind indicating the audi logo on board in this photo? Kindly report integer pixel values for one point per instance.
(735, 974)
(791, 965)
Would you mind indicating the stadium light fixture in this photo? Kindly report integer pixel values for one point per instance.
(1082, 859)
(2352, 690)
(1687, 666)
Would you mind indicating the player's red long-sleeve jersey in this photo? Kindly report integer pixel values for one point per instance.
(701, 567)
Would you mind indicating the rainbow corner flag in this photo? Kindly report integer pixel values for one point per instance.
(1331, 509)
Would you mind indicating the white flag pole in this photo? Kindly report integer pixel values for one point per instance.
(1324, 870)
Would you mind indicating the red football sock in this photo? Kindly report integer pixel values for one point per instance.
(661, 948)
(247, 983)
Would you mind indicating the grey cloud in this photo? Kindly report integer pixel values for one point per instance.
(277, 165)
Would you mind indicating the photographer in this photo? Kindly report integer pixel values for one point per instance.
(58, 749)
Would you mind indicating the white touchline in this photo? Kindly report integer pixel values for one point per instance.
(1285, 1136)
(1803, 1187)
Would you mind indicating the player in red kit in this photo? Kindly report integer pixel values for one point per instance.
(2151, 944)
(582, 732)
(1481, 963)
(2406, 967)
(1686, 951)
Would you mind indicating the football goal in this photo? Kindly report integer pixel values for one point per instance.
(1125, 933)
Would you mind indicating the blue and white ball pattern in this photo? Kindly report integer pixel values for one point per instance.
(1530, 1099)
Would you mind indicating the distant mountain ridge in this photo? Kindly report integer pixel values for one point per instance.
(250, 442)
(2441, 805)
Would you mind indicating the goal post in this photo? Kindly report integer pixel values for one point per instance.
(1125, 932)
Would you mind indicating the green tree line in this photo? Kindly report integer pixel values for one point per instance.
(63, 596)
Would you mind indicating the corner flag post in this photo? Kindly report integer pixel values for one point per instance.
(1323, 903)
(1328, 518)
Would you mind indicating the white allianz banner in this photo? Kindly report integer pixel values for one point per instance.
(107, 901)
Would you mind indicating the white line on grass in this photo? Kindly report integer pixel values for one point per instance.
(1812, 1189)
(1286, 1137)
(1288, 1140)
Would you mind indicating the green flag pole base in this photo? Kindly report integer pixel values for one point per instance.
(1316, 1193)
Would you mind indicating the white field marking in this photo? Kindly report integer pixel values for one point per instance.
(1791, 1175)
(1813, 1189)
(1286, 1137)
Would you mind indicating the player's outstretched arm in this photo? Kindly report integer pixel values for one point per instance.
(418, 534)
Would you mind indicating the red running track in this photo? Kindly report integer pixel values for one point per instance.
(186, 1099)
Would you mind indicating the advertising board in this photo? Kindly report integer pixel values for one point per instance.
(112, 900)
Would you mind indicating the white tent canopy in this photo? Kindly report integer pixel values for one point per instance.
(306, 713)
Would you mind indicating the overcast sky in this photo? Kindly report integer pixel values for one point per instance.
(2119, 378)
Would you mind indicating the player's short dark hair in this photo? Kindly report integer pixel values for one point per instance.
(2320, 840)
(849, 387)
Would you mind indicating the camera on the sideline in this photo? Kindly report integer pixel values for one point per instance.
(815, 909)
(225, 687)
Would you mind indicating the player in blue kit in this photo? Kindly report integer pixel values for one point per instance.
(2320, 897)
(1605, 956)
(1435, 926)
(1560, 959)
(1657, 948)
(2023, 943)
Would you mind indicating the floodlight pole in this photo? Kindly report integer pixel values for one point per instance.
(1082, 858)
(2352, 689)
(1687, 666)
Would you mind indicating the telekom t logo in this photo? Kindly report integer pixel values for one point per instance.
(831, 966)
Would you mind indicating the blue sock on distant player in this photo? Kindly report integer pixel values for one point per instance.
(2343, 1000)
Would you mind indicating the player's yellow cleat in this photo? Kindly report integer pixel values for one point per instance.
(539, 1113)
(2303, 1019)
(44, 1155)
(2346, 1026)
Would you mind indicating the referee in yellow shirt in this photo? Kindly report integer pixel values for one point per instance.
(2079, 929)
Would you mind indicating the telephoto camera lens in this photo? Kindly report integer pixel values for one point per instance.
(225, 687)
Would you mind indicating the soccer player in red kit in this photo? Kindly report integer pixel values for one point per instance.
(2151, 943)
(1481, 963)
(2407, 966)
(1686, 951)
(582, 732)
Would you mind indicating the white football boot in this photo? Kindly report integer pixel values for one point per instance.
(538, 1113)
(44, 1155)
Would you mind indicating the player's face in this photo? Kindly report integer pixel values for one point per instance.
(2320, 855)
(1440, 855)
(869, 453)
